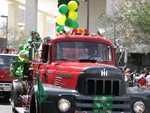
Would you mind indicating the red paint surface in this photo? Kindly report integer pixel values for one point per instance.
(49, 72)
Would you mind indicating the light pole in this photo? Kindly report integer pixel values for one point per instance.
(88, 14)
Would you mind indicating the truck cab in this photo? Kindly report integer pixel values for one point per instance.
(80, 70)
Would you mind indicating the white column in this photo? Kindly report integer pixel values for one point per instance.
(31, 15)
(82, 14)
(12, 16)
(97, 8)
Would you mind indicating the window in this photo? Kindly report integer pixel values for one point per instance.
(83, 50)
(5, 61)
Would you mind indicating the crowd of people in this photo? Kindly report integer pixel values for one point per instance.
(141, 80)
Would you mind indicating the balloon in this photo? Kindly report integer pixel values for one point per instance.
(60, 20)
(63, 9)
(59, 29)
(73, 15)
(72, 5)
(74, 24)
(68, 22)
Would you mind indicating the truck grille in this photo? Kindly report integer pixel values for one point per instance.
(119, 104)
(102, 87)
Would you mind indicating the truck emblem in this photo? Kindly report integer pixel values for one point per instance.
(104, 73)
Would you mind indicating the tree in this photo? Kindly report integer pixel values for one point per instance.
(138, 14)
(130, 24)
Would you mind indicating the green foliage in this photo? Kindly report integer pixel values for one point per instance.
(130, 24)
(139, 15)
(21, 64)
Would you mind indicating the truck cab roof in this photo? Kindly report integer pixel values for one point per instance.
(92, 38)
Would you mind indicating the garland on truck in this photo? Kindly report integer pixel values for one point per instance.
(20, 67)
(68, 15)
(21, 64)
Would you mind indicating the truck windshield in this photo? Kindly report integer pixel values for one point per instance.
(6, 60)
(83, 51)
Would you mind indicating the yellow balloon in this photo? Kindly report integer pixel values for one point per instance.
(72, 5)
(60, 20)
(73, 15)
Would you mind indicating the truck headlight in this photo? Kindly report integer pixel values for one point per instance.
(138, 107)
(64, 105)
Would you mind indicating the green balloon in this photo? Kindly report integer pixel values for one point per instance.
(60, 29)
(68, 22)
(63, 9)
(71, 23)
(74, 24)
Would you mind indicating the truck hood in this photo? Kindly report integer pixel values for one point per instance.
(82, 66)
(70, 72)
(78, 66)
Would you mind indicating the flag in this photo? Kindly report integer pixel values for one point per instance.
(41, 94)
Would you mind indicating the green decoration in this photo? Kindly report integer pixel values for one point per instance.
(62, 2)
(59, 28)
(41, 94)
(21, 47)
(24, 55)
(20, 65)
(68, 22)
(71, 23)
(19, 70)
(102, 104)
(74, 24)
(63, 9)
(68, 17)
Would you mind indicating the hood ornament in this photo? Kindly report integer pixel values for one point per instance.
(104, 73)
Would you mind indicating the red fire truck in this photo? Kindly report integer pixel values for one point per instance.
(79, 75)
(5, 77)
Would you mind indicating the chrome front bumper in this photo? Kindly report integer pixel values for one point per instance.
(5, 87)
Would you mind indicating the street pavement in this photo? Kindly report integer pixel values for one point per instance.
(5, 106)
